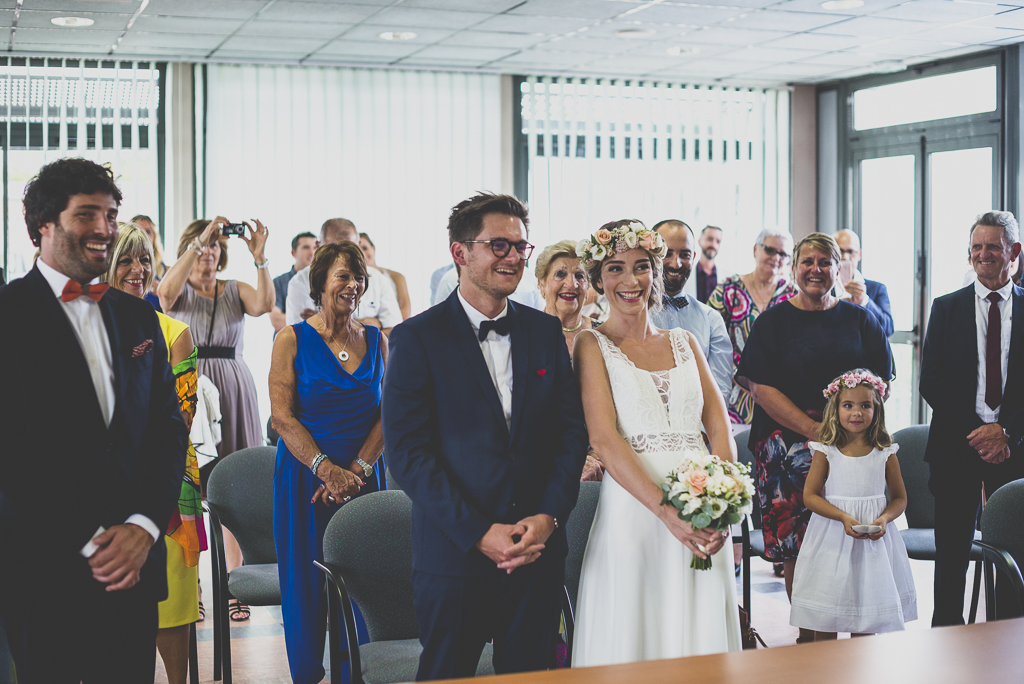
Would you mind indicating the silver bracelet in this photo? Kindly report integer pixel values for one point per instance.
(198, 247)
(264, 265)
(317, 461)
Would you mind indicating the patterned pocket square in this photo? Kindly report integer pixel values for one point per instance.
(142, 349)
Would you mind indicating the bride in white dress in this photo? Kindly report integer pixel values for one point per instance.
(646, 393)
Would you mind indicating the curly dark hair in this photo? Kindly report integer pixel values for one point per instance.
(47, 195)
(467, 217)
(324, 260)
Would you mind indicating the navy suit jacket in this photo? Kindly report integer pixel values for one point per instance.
(878, 304)
(64, 471)
(448, 445)
(949, 378)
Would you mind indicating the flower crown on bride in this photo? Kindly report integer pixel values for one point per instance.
(605, 243)
(851, 380)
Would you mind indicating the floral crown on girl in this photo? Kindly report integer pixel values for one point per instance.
(851, 380)
(605, 243)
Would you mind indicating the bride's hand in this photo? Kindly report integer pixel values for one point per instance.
(711, 540)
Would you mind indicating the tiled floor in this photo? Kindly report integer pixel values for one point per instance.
(258, 652)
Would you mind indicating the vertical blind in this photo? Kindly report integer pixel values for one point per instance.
(105, 111)
(390, 150)
(601, 150)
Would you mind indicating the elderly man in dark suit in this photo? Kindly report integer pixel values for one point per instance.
(483, 428)
(972, 375)
(94, 446)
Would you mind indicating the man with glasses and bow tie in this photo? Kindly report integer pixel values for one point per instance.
(680, 309)
(483, 428)
(94, 444)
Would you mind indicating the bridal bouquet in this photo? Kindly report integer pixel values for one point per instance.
(709, 493)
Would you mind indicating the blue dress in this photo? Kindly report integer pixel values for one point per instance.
(338, 409)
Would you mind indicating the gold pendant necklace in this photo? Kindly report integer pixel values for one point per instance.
(578, 326)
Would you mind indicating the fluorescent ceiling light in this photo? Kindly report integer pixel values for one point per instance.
(842, 4)
(635, 33)
(397, 35)
(678, 51)
(72, 22)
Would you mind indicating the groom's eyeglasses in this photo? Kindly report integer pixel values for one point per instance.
(500, 247)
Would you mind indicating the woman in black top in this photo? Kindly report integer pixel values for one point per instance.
(794, 351)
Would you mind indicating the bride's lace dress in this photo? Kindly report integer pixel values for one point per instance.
(638, 597)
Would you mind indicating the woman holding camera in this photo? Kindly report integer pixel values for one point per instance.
(214, 310)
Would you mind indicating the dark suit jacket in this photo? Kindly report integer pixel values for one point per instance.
(448, 445)
(64, 472)
(878, 304)
(949, 378)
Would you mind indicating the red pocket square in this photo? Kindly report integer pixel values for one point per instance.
(142, 349)
(541, 372)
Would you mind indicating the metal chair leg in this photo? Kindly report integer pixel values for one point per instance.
(976, 594)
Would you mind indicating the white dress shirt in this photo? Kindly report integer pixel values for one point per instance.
(981, 307)
(87, 322)
(497, 351)
(378, 301)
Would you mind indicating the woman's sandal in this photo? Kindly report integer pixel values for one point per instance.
(202, 608)
(237, 611)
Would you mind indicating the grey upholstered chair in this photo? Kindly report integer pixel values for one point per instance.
(920, 537)
(577, 532)
(1002, 538)
(240, 496)
(368, 559)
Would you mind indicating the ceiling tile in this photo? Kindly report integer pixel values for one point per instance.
(444, 64)
(661, 49)
(465, 5)
(277, 44)
(768, 54)
(76, 6)
(939, 11)
(785, 21)
(520, 23)
(402, 17)
(58, 36)
(1014, 19)
(796, 71)
(547, 58)
(382, 49)
(686, 15)
(817, 41)
(731, 36)
(634, 65)
(748, 4)
(968, 34)
(907, 47)
(715, 67)
(424, 36)
(478, 54)
(607, 29)
(107, 21)
(146, 51)
(170, 40)
(156, 24)
(583, 43)
(316, 11)
(876, 27)
(221, 9)
(576, 9)
(493, 39)
(292, 29)
(841, 59)
(60, 48)
(956, 52)
(868, 7)
(262, 56)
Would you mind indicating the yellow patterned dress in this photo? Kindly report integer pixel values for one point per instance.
(186, 534)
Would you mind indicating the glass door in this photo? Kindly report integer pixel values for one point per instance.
(913, 207)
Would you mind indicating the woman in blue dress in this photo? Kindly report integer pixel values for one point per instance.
(325, 389)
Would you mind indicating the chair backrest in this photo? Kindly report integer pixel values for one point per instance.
(920, 502)
(241, 490)
(577, 532)
(369, 541)
(745, 455)
(1001, 521)
(390, 483)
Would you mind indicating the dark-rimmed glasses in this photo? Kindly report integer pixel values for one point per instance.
(501, 247)
(772, 252)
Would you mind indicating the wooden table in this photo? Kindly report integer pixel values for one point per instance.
(989, 653)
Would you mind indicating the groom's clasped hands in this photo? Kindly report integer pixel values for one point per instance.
(511, 546)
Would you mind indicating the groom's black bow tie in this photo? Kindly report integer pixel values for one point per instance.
(501, 326)
(678, 302)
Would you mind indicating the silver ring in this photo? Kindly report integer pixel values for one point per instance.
(330, 498)
(346, 499)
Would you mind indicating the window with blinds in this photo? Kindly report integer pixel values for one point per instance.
(106, 111)
(600, 150)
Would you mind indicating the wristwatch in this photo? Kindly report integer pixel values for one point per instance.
(367, 468)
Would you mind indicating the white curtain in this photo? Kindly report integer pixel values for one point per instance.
(606, 150)
(392, 151)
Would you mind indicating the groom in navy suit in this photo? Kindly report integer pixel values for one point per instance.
(483, 429)
(93, 447)
(972, 375)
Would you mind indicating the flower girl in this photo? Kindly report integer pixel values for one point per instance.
(853, 574)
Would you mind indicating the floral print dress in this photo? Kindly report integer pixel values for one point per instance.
(733, 301)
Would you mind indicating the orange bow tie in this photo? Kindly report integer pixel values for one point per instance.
(73, 290)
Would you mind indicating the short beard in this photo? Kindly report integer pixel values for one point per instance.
(686, 276)
(63, 249)
(709, 257)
